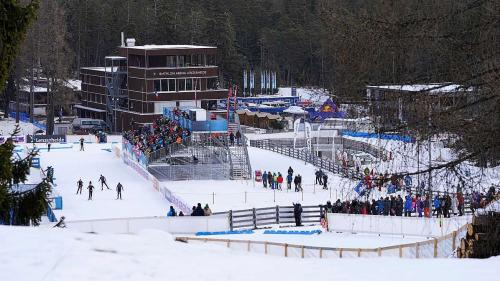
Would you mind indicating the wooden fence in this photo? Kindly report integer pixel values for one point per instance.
(258, 217)
(441, 247)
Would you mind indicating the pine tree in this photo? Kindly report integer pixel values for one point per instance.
(19, 207)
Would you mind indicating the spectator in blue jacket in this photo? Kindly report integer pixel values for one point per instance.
(289, 179)
(380, 206)
(408, 205)
(264, 179)
(437, 205)
(171, 212)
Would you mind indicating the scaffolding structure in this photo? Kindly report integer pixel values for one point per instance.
(116, 83)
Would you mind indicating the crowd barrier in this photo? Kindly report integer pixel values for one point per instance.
(128, 159)
(395, 225)
(174, 225)
(442, 247)
(403, 138)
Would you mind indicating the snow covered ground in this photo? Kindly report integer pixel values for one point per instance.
(324, 239)
(70, 164)
(226, 195)
(58, 254)
(8, 125)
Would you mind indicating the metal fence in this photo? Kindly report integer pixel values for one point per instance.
(306, 156)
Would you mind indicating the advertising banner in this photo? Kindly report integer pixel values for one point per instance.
(46, 138)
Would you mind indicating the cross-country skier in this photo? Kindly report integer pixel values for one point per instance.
(91, 189)
(79, 184)
(81, 144)
(119, 188)
(48, 147)
(102, 179)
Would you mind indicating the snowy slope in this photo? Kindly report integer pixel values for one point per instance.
(139, 197)
(59, 255)
(226, 195)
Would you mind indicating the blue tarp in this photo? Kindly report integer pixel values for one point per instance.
(205, 233)
(295, 232)
(402, 138)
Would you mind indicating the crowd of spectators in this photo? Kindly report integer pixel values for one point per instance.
(161, 133)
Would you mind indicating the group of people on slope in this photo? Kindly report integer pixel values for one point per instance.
(197, 211)
(321, 178)
(91, 187)
(275, 180)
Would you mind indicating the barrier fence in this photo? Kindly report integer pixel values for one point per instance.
(441, 247)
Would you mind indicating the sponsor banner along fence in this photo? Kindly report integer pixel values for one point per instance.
(46, 138)
(16, 139)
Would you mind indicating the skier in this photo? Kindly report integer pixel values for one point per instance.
(48, 146)
(91, 189)
(61, 223)
(79, 184)
(81, 144)
(102, 179)
(297, 213)
(171, 212)
(119, 188)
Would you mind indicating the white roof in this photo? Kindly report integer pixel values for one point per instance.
(89, 108)
(431, 88)
(102, 68)
(36, 89)
(295, 110)
(159, 47)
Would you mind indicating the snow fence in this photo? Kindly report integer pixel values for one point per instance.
(441, 247)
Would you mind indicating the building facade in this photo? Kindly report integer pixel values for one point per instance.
(132, 89)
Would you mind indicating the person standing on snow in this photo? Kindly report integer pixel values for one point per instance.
(91, 189)
(48, 146)
(264, 179)
(119, 188)
(280, 181)
(325, 180)
(207, 211)
(171, 212)
(289, 179)
(290, 170)
(102, 179)
(81, 144)
(79, 184)
(297, 214)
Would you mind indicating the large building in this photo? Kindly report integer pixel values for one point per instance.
(132, 89)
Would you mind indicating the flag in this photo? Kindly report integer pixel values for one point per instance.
(359, 189)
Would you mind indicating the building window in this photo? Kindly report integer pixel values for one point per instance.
(181, 85)
(171, 61)
(157, 85)
(157, 61)
(210, 60)
(181, 61)
(171, 85)
(164, 85)
(212, 83)
(136, 60)
(189, 84)
(187, 60)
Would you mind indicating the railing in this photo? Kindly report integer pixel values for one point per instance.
(308, 157)
(258, 217)
(441, 247)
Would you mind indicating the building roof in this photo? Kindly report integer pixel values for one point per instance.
(431, 88)
(101, 68)
(161, 47)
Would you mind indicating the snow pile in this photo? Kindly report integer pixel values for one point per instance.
(316, 95)
(61, 255)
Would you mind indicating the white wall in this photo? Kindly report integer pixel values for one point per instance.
(414, 226)
(174, 225)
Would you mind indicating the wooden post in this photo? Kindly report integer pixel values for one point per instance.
(454, 242)
(359, 253)
(379, 252)
(248, 246)
(417, 250)
(320, 253)
(400, 251)
(286, 250)
(435, 247)
(228, 243)
(340, 252)
(265, 248)
(302, 252)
